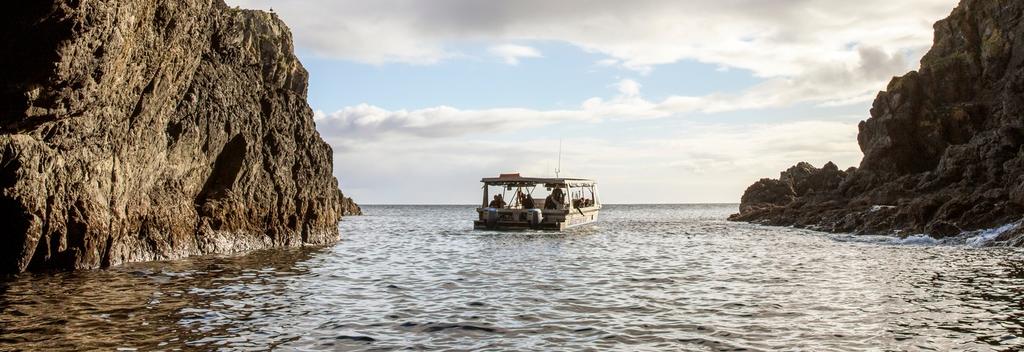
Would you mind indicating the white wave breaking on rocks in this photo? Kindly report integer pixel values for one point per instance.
(976, 238)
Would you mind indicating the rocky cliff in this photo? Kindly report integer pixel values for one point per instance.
(349, 207)
(154, 129)
(943, 148)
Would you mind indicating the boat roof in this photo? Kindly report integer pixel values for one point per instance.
(507, 179)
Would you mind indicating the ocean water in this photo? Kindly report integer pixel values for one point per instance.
(667, 277)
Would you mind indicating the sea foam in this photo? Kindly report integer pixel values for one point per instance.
(985, 237)
(976, 238)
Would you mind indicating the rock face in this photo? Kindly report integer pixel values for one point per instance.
(349, 207)
(943, 149)
(154, 129)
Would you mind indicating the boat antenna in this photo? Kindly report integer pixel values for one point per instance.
(559, 168)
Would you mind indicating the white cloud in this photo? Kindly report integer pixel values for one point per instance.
(511, 53)
(812, 52)
(796, 43)
(698, 163)
(642, 32)
(629, 88)
(450, 148)
(369, 122)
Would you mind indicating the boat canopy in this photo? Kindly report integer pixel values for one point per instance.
(517, 180)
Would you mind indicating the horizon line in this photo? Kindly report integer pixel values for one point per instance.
(474, 204)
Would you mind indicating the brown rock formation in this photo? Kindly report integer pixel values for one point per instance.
(349, 207)
(943, 149)
(154, 129)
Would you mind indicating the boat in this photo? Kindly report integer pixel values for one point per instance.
(557, 203)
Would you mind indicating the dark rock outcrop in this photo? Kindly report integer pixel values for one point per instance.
(943, 149)
(349, 207)
(154, 129)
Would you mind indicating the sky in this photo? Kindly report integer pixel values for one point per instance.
(660, 101)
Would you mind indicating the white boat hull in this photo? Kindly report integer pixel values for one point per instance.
(517, 219)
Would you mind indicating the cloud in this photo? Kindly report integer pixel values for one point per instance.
(629, 88)
(796, 45)
(366, 121)
(699, 163)
(804, 52)
(511, 53)
(640, 33)
(450, 149)
(370, 122)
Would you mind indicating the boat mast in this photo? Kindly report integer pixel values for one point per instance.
(559, 168)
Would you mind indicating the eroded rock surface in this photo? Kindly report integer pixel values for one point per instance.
(154, 129)
(943, 149)
(349, 207)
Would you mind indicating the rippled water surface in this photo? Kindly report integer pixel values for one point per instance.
(644, 278)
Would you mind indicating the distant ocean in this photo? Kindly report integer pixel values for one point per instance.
(645, 277)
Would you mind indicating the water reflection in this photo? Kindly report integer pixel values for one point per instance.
(176, 303)
(645, 278)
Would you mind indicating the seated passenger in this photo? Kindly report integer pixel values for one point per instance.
(557, 195)
(528, 202)
(498, 202)
(549, 202)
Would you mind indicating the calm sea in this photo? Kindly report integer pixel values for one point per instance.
(665, 277)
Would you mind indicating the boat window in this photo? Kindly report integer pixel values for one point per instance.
(527, 196)
(584, 197)
(531, 195)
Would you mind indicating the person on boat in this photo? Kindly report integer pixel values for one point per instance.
(549, 203)
(498, 202)
(557, 195)
(528, 202)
